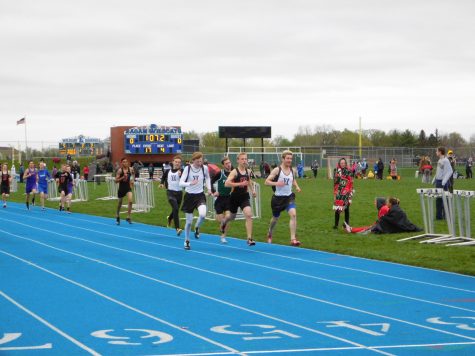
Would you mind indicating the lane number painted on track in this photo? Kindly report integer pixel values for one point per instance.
(460, 322)
(249, 333)
(158, 336)
(9, 337)
(383, 328)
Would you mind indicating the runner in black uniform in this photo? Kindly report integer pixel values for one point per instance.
(240, 181)
(222, 204)
(125, 179)
(5, 185)
(66, 180)
(171, 181)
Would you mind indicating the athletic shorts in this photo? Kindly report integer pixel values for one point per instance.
(122, 192)
(175, 196)
(239, 201)
(192, 202)
(30, 188)
(280, 203)
(65, 189)
(5, 189)
(222, 204)
(42, 189)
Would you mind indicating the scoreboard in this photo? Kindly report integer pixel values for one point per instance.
(153, 139)
(81, 146)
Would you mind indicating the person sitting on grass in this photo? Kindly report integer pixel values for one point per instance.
(394, 221)
(382, 208)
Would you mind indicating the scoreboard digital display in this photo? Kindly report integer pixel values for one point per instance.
(80, 146)
(153, 139)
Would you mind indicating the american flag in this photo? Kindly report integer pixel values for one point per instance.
(21, 121)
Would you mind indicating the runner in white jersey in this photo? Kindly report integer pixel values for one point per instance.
(193, 179)
(171, 181)
(283, 179)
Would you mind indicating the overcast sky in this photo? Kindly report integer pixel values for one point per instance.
(80, 67)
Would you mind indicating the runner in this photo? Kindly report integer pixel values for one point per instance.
(222, 205)
(43, 178)
(283, 179)
(124, 177)
(65, 183)
(240, 181)
(193, 179)
(31, 177)
(5, 184)
(171, 181)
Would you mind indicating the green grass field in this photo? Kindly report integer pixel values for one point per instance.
(315, 221)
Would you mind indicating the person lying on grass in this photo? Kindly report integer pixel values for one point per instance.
(394, 221)
(383, 209)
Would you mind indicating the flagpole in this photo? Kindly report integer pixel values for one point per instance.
(26, 144)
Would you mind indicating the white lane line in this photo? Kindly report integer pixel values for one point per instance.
(300, 259)
(280, 270)
(49, 325)
(170, 285)
(228, 277)
(116, 301)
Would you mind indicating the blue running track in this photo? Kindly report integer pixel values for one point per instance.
(73, 284)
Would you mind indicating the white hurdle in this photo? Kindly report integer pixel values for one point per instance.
(53, 194)
(80, 191)
(462, 204)
(428, 197)
(143, 196)
(255, 206)
(112, 188)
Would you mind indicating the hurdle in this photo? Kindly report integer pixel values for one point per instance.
(255, 206)
(428, 197)
(53, 194)
(143, 196)
(112, 188)
(462, 204)
(14, 185)
(80, 191)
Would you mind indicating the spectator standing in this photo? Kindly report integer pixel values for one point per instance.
(453, 162)
(22, 172)
(441, 179)
(314, 167)
(468, 168)
(300, 170)
(393, 169)
(151, 170)
(86, 172)
(380, 168)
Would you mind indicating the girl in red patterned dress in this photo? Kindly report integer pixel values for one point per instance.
(342, 191)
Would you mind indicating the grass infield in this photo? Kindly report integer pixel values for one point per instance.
(315, 220)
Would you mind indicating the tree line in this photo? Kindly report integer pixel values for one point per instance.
(308, 136)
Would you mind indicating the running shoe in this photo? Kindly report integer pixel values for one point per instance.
(117, 220)
(178, 232)
(169, 220)
(251, 242)
(223, 240)
(68, 210)
(5, 205)
(197, 232)
(28, 206)
(187, 245)
(295, 243)
(269, 237)
(347, 227)
(61, 208)
(128, 220)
